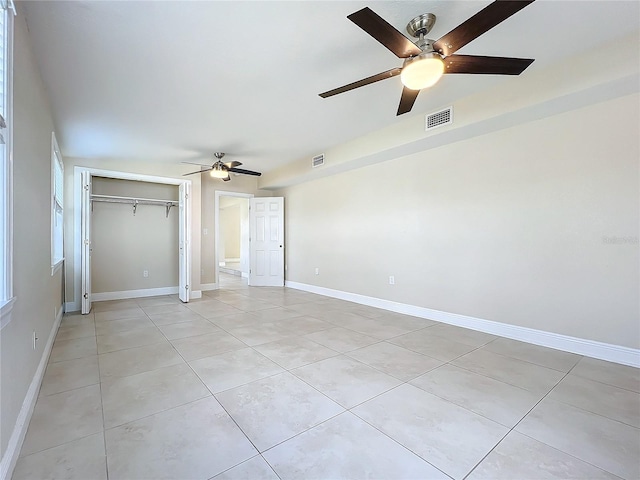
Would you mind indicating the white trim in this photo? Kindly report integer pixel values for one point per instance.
(56, 158)
(10, 457)
(205, 287)
(581, 346)
(5, 311)
(195, 294)
(230, 271)
(145, 292)
(98, 172)
(6, 173)
(72, 307)
(218, 194)
(56, 266)
(77, 212)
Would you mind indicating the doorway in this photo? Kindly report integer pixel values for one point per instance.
(232, 235)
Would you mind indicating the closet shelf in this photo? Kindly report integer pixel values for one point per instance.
(134, 201)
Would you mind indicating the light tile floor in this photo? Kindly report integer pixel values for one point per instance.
(253, 383)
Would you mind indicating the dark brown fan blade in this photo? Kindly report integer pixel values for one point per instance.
(481, 22)
(245, 172)
(361, 83)
(233, 164)
(226, 179)
(199, 171)
(485, 65)
(384, 32)
(407, 100)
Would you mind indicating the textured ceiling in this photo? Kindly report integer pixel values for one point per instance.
(171, 81)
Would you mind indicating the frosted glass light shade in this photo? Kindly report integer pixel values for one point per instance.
(422, 71)
(218, 172)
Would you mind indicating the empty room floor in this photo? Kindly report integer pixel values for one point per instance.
(274, 383)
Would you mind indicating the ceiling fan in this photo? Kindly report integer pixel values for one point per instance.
(221, 170)
(427, 60)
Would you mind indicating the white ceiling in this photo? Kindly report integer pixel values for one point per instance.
(171, 81)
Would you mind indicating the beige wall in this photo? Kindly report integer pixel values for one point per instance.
(170, 171)
(38, 293)
(512, 226)
(229, 225)
(124, 245)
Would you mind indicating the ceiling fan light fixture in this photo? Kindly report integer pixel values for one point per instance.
(422, 71)
(218, 171)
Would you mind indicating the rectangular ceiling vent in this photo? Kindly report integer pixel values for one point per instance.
(438, 119)
(317, 160)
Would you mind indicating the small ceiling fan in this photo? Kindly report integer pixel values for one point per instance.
(221, 170)
(427, 60)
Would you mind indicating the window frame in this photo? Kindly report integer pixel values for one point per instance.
(56, 159)
(7, 300)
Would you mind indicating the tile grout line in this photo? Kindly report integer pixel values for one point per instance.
(520, 421)
(345, 409)
(104, 430)
(217, 401)
(393, 439)
(346, 354)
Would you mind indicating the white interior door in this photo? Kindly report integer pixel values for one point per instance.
(266, 224)
(86, 242)
(184, 233)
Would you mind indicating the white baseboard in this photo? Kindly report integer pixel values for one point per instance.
(12, 452)
(581, 346)
(146, 292)
(205, 287)
(71, 307)
(230, 271)
(195, 294)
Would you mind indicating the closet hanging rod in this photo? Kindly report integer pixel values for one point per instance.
(134, 201)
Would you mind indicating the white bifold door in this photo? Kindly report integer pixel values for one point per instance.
(85, 234)
(266, 243)
(184, 234)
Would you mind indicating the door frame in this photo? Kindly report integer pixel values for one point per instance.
(77, 219)
(218, 194)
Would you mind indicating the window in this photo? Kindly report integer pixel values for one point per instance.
(57, 195)
(7, 12)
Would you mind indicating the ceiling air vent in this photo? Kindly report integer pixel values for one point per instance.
(437, 119)
(317, 160)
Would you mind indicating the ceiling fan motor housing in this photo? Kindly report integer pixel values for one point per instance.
(421, 25)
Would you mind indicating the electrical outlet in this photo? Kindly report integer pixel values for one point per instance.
(205, 231)
(392, 280)
(35, 339)
(317, 271)
(145, 273)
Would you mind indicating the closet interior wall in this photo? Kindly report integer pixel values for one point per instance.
(133, 252)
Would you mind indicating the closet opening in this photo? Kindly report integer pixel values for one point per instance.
(131, 237)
